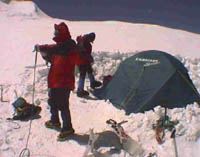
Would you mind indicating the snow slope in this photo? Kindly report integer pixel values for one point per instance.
(21, 29)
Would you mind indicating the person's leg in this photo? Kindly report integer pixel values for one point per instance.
(81, 82)
(67, 128)
(81, 92)
(93, 82)
(53, 106)
(54, 121)
(90, 73)
(65, 111)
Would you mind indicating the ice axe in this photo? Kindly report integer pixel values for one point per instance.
(36, 49)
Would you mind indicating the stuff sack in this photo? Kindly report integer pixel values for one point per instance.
(106, 79)
(24, 110)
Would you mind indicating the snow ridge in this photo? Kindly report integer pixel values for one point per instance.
(25, 9)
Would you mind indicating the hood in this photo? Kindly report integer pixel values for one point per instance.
(79, 38)
(88, 38)
(63, 34)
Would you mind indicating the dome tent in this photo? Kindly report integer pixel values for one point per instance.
(148, 79)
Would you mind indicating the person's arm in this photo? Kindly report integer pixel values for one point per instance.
(45, 51)
(50, 49)
(59, 49)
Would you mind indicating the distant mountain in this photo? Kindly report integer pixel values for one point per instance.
(178, 14)
(26, 8)
(110, 3)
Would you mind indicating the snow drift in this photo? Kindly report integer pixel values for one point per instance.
(114, 41)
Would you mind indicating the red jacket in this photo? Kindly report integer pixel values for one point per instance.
(63, 57)
(85, 50)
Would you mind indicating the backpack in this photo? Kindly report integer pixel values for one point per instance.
(24, 110)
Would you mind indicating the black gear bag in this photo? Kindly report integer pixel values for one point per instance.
(24, 110)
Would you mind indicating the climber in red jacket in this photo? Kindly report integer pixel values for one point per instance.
(63, 57)
(84, 62)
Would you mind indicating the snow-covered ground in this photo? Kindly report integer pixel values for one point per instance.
(23, 25)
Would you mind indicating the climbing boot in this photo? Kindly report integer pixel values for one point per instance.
(82, 93)
(64, 134)
(95, 84)
(53, 125)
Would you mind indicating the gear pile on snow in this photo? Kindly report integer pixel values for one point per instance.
(24, 110)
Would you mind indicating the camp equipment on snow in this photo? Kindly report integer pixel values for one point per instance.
(24, 110)
(152, 155)
(173, 136)
(161, 125)
(128, 144)
(90, 146)
(2, 98)
(118, 129)
(106, 79)
(149, 79)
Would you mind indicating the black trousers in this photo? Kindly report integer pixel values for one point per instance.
(59, 101)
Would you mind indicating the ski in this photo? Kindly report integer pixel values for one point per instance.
(90, 146)
(128, 144)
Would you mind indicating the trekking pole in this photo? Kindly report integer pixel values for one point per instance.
(34, 74)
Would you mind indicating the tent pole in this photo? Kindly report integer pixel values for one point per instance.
(165, 113)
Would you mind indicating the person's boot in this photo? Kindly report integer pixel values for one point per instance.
(65, 133)
(53, 125)
(82, 93)
(95, 84)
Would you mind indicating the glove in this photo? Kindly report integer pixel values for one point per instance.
(36, 48)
